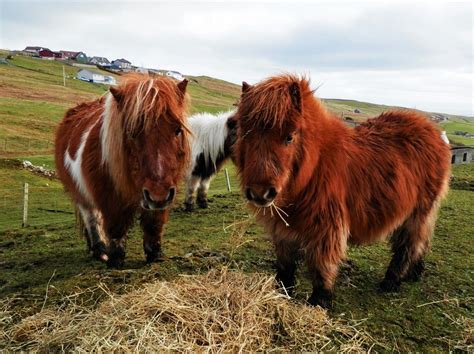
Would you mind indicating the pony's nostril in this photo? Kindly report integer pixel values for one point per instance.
(270, 194)
(249, 194)
(146, 195)
(171, 194)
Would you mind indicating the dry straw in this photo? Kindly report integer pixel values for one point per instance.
(222, 311)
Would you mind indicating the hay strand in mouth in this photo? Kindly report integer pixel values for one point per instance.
(280, 211)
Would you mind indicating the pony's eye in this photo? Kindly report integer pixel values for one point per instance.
(289, 139)
(178, 131)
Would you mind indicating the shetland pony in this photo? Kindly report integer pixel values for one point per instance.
(317, 185)
(213, 137)
(123, 153)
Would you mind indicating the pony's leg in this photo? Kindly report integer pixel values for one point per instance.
(287, 257)
(116, 226)
(410, 242)
(202, 193)
(192, 185)
(95, 244)
(152, 223)
(323, 256)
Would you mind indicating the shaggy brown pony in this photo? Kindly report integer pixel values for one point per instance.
(317, 185)
(121, 152)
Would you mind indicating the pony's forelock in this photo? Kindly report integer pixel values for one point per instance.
(270, 100)
(145, 99)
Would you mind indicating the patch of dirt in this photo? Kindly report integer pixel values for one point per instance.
(10, 91)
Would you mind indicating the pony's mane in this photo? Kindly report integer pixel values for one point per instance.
(137, 104)
(269, 102)
(209, 134)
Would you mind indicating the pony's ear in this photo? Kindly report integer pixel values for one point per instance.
(245, 86)
(295, 94)
(116, 93)
(182, 86)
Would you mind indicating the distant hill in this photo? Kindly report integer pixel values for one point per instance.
(33, 99)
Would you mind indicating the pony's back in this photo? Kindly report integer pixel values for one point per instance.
(402, 160)
(209, 134)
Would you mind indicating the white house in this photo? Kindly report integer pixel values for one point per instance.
(175, 75)
(102, 61)
(92, 76)
(122, 64)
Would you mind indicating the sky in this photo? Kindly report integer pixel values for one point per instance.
(404, 53)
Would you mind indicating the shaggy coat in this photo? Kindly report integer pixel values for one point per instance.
(212, 140)
(123, 153)
(318, 185)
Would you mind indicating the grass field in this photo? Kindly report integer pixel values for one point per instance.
(425, 316)
(433, 315)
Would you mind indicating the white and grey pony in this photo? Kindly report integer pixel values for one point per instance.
(211, 145)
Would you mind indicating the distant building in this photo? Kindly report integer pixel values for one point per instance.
(458, 132)
(30, 50)
(438, 117)
(95, 77)
(175, 75)
(80, 57)
(462, 155)
(49, 54)
(102, 61)
(141, 70)
(123, 64)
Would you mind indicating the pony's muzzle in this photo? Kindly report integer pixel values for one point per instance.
(148, 202)
(261, 197)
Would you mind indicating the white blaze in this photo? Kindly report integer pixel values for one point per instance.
(75, 166)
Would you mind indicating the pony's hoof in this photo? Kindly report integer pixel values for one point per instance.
(116, 256)
(188, 207)
(99, 253)
(115, 262)
(415, 272)
(322, 298)
(203, 205)
(389, 286)
(154, 255)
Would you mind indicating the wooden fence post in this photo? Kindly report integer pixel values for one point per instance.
(227, 179)
(25, 205)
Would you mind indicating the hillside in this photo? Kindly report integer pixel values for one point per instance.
(33, 99)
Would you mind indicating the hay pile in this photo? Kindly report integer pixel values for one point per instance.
(220, 311)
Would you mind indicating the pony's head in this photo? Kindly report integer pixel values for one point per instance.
(144, 138)
(270, 132)
(231, 137)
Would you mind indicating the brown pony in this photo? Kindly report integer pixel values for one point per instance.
(326, 185)
(122, 151)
